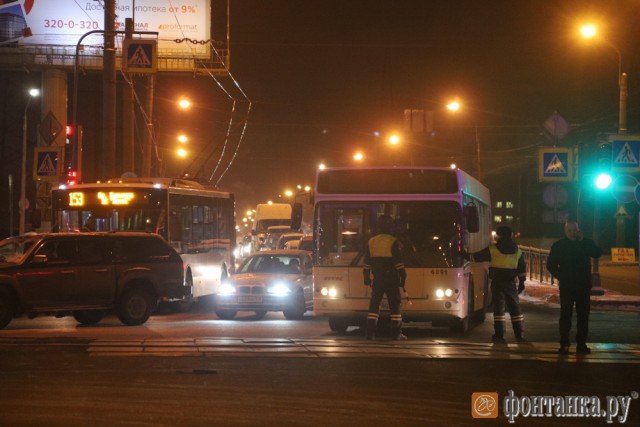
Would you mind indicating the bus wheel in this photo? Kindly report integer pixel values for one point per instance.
(88, 317)
(226, 314)
(460, 326)
(338, 325)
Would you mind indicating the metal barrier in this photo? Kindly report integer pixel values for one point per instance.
(536, 260)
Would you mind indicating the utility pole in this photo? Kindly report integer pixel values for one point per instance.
(109, 93)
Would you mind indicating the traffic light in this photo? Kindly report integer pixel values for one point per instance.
(72, 177)
(602, 173)
(603, 181)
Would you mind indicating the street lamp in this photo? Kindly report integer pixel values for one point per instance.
(455, 106)
(590, 31)
(23, 177)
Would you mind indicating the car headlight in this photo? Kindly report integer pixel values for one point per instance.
(279, 289)
(226, 289)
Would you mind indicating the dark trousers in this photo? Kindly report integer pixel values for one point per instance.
(582, 300)
(505, 296)
(379, 289)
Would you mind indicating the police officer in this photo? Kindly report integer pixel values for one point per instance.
(382, 258)
(506, 270)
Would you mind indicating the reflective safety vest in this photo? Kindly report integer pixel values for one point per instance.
(380, 246)
(506, 261)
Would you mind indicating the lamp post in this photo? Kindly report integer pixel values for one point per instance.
(455, 106)
(590, 31)
(23, 177)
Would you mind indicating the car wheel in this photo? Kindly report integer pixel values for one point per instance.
(135, 307)
(7, 307)
(338, 325)
(226, 314)
(88, 317)
(297, 308)
(260, 314)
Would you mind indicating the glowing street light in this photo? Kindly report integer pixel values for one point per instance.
(322, 166)
(183, 138)
(394, 139)
(33, 93)
(590, 31)
(184, 103)
(182, 152)
(455, 106)
(358, 157)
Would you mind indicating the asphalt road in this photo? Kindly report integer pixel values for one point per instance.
(55, 373)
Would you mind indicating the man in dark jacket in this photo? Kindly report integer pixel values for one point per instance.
(506, 269)
(382, 258)
(570, 262)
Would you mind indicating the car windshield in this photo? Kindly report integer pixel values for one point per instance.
(14, 249)
(274, 264)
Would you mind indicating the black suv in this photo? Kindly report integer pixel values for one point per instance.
(86, 274)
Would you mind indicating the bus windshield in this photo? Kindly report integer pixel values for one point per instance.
(429, 232)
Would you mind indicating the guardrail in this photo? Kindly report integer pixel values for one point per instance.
(536, 260)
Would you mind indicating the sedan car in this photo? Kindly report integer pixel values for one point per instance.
(279, 280)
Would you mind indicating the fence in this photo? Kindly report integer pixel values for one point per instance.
(536, 260)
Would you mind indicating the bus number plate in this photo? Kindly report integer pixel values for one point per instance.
(250, 300)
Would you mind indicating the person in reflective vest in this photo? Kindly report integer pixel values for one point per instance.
(383, 259)
(507, 272)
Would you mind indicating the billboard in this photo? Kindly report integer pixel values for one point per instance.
(63, 22)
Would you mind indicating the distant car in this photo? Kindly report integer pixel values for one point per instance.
(292, 245)
(86, 274)
(306, 243)
(287, 237)
(273, 235)
(269, 281)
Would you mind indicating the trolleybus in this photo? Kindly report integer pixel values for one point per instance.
(197, 221)
(440, 215)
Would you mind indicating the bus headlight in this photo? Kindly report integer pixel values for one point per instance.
(442, 293)
(330, 292)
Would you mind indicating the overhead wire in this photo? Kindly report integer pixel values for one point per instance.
(233, 108)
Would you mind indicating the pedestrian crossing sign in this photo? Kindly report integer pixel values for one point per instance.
(139, 56)
(625, 153)
(555, 164)
(47, 163)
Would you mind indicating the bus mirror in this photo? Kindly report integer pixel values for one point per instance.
(296, 216)
(471, 218)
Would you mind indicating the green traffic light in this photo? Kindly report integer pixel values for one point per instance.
(603, 181)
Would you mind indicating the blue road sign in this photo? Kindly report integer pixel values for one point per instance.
(47, 163)
(555, 164)
(625, 155)
(139, 56)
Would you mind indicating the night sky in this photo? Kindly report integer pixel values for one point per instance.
(324, 75)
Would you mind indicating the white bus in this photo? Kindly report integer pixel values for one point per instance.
(440, 216)
(197, 221)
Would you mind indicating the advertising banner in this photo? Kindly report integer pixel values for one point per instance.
(63, 22)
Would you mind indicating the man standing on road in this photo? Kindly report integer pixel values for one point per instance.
(506, 268)
(570, 262)
(382, 257)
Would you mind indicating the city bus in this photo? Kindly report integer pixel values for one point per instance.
(441, 215)
(197, 221)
